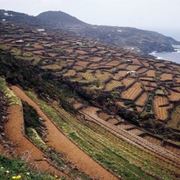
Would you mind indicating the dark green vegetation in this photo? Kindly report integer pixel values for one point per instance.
(27, 76)
(32, 120)
(15, 168)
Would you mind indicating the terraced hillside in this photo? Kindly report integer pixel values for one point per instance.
(147, 89)
(89, 111)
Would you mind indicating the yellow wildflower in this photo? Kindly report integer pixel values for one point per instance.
(16, 177)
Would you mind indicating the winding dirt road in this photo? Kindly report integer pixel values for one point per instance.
(62, 144)
(14, 130)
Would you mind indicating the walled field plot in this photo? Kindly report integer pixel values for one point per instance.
(81, 52)
(141, 101)
(132, 92)
(174, 96)
(122, 66)
(70, 73)
(95, 59)
(175, 119)
(128, 81)
(149, 83)
(160, 65)
(120, 74)
(137, 62)
(133, 67)
(88, 75)
(146, 64)
(177, 80)
(166, 77)
(82, 63)
(52, 67)
(113, 63)
(102, 76)
(103, 115)
(151, 73)
(112, 85)
(141, 70)
(160, 107)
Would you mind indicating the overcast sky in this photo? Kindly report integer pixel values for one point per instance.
(158, 15)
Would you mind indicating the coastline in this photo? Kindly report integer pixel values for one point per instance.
(168, 56)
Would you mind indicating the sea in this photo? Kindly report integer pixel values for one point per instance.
(170, 56)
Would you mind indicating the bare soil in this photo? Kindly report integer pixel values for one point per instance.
(62, 144)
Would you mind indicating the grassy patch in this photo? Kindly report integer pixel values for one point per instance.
(17, 168)
(11, 97)
(32, 119)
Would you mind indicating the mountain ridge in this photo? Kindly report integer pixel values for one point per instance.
(133, 39)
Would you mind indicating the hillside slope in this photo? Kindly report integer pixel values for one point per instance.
(114, 108)
(136, 40)
(125, 37)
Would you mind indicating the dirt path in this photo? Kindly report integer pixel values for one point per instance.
(24, 148)
(62, 144)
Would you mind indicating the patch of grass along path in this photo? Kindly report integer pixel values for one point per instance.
(11, 97)
(116, 155)
(57, 158)
(17, 169)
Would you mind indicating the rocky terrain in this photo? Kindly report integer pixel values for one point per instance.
(84, 109)
(136, 40)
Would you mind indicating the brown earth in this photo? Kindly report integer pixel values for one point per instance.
(62, 144)
(14, 130)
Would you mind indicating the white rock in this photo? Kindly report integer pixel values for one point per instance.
(40, 30)
(119, 30)
(19, 41)
(6, 14)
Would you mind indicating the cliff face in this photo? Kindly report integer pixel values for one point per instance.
(133, 39)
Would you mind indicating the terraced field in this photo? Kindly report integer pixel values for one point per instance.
(89, 111)
(95, 141)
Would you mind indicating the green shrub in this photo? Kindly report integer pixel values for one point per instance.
(15, 167)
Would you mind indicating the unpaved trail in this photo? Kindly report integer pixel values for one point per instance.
(14, 130)
(62, 144)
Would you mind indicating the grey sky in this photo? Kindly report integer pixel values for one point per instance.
(159, 15)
